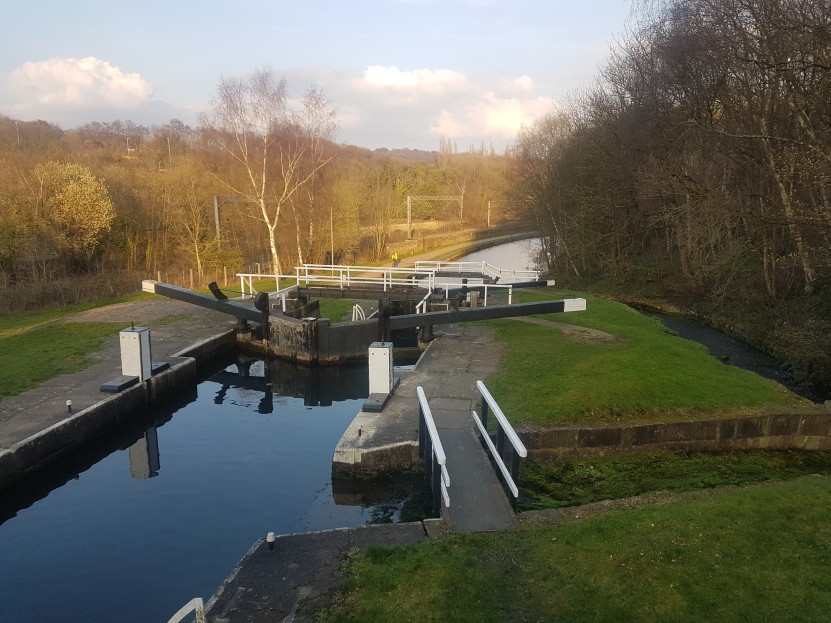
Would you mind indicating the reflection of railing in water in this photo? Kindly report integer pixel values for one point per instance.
(316, 385)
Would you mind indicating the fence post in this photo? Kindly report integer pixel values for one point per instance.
(436, 482)
(485, 412)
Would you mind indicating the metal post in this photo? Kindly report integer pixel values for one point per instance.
(436, 488)
(515, 466)
(500, 441)
(422, 431)
(484, 413)
(409, 217)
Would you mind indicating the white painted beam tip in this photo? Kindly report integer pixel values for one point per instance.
(572, 305)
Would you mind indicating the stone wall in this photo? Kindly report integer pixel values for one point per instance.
(765, 432)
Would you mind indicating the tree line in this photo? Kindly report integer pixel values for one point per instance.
(259, 183)
(698, 167)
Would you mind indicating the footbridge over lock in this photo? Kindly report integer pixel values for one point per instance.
(471, 470)
(409, 299)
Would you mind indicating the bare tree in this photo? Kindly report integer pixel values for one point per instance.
(273, 152)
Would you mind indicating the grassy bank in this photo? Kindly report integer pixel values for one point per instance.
(576, 481)
(759, 554)
(38, 345)
(636, 370)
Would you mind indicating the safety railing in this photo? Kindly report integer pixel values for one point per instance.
(484, 268)
(487, 286)
(246, 282)
(504, 431)
(195, 606)
(432, 452)
(343, 276)
(424, 304)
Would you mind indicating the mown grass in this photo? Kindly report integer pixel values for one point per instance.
(580, 480)
(37, 345)
(547, 379)
(758, 554)
(31, 357)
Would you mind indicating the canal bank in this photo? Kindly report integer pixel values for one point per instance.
(46, 423)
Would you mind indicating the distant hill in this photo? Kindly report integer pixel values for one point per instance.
(408, 155)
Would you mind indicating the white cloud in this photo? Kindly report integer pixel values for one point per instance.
(430, 81)
(521, 84)
(491, 116)
(76, 83)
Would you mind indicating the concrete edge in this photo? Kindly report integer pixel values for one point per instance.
(232, 576)
(55, 441)
(434, 532)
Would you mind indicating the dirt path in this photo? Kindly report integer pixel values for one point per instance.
(573, 332)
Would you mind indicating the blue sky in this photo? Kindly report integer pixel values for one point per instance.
(400, 73)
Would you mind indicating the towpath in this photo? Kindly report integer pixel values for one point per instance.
(174, 326)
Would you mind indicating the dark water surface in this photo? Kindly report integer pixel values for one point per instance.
(138, 533)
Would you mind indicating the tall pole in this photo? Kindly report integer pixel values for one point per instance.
(331, 235)
(169, 157)
(409, 217)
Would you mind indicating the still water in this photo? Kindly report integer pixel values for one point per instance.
(519, 255)
(170, 507)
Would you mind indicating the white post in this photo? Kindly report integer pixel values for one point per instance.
(135, 353)
(380, 368)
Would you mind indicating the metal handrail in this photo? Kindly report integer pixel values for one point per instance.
(484, 267)
(431, 450)
(346, 276)
(196, 606)
(504, 431)
(247, 279)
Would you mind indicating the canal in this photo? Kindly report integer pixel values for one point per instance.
(149, 518)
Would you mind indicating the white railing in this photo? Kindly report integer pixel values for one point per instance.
(424, 303)
(484, 268)
(504, 431)
(431, 450)
(246, 281)
(487, 286)
(196, 606)
(344, 276)
(358, 313)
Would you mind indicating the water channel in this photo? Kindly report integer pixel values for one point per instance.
(150, 517)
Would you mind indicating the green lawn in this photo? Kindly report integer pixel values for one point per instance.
(650, 374)
(37, 345)
(759, 554)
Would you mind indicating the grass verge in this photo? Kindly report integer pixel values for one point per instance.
(31, 357)
(37, 345)
(648, 374)
(758, 554)
(576, 481)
